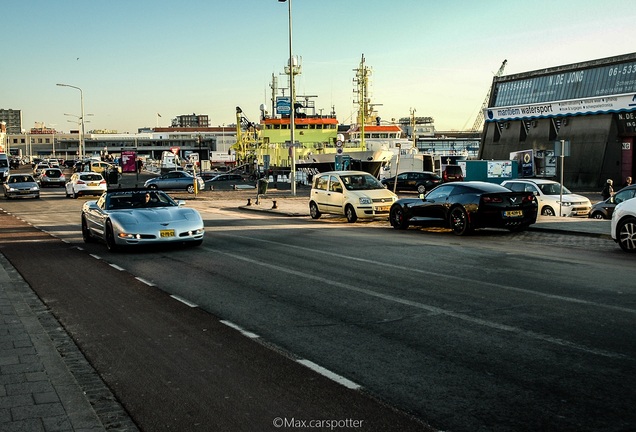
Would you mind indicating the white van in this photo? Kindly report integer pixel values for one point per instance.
(4, 167)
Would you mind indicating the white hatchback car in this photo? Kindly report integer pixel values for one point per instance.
(624, 225)
(85, 183)
(354, 194)
(547, 193)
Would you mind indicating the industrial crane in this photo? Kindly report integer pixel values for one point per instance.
(480, 115)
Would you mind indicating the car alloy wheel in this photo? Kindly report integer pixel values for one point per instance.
(190, 189)
(598, 215)
(547, 211)
(397, 218)
(626, 234)
(458, 221)
(313, 210)
(421, 188)
(350, 212)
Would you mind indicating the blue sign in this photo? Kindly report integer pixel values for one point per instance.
(283, 105)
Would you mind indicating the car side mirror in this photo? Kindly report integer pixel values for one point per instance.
(181, 203)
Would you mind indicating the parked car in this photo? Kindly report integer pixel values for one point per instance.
(175, 180)
(466, 206)
(21, 185)
(126, 217)
(419, 181)
(605, 209)
(52, 177)
(623, 227)
(354, 194)
(4, 167)
(228, 177)
(451, 173)
(547, 193)
(85, 183)
(98, 167)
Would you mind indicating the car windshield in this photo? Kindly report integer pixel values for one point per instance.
(552, 189)
(360, 182)
(21, 179)
(138, 199)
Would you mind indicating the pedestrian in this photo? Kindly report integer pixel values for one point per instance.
(608, 190)
(628, 182)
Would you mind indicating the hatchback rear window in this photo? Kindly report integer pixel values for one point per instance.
(91, 177)
(53, 173)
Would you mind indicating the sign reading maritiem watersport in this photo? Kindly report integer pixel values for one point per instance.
(601, 105)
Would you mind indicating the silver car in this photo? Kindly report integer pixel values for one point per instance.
(21, 185)
(126, 217)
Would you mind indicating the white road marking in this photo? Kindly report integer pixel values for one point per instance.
(332, 376)
(243, 332)
(184, 301)
(145, 281)
(115, 266)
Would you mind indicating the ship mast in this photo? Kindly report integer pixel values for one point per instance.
(361, 81)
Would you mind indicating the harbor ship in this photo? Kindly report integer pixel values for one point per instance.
(318, 147)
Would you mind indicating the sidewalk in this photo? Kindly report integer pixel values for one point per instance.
(46, 384)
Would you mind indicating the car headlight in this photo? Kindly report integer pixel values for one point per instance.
(11, 189)
(566, 204)
(34, 188)
(365, 200)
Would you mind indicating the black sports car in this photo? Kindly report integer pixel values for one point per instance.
(466, 206)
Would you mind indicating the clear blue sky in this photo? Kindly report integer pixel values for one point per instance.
(136, 58)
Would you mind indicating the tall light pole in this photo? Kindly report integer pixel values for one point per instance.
(53, 126)
(82, 148)
(292, 113)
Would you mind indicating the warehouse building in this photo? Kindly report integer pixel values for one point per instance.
(591, 104)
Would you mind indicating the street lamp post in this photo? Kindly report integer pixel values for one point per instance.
(82, 148)
(292, 113)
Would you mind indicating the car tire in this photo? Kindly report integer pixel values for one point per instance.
(313, 210)
(397, 218)
(421, 189)
(547, 211)
(598, 215)
(190, 189)
(110, 238)
(626, 234)
(350, 213)
(458, 221)
(86, 234)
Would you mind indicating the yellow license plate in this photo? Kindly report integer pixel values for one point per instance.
(93, 184)
(513, 213)
(166, 233)
(382, 209)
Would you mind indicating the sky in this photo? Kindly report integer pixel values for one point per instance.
(134, 59)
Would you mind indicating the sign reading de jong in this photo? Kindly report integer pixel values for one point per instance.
(283, 105)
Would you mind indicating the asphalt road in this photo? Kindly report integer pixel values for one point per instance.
(493, 332)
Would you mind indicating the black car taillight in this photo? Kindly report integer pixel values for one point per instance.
(528, 198)
(493, 200)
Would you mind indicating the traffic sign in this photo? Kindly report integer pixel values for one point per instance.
(338, 143)
(174, 150)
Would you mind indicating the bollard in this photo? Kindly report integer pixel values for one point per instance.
(249, 201)
(274, 206)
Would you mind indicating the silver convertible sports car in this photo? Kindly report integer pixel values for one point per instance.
(125, 217)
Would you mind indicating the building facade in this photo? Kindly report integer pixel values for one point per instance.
(590, 104)
(12, 119)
